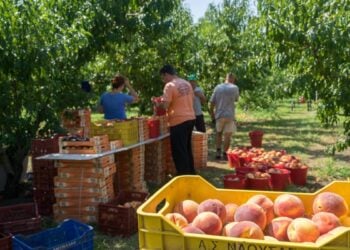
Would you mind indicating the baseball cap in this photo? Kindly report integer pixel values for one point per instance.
(192, 77)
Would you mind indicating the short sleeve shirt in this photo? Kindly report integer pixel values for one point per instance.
(179, 94)
(224, 97)
(114, 105)
(197, 102)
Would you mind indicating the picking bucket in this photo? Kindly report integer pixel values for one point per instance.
(233, 160)
(234, 181)
(156, 109)
(153, 127)
(259, 183)
(242, 171)
(256, 137)
(298, 175)
(159, 111)
(280, 179)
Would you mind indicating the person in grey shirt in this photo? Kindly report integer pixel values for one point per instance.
(199, 99)
(222, 110)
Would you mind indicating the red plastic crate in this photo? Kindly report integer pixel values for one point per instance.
(21, 218)
(45, 146)
(5, 241)
(116, 219)
(40, 165)
(44, 200)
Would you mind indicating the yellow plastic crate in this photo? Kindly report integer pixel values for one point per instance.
(127, 130)
(155, 232)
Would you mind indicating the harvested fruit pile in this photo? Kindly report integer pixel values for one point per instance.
(261, 159)
(261, 218)
(276, 167)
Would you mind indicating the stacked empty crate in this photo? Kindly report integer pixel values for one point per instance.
(130, 174)
(44, 173)
(163, 124)
(155, 162)
(81, 185)
(200, 149)
(131, 169)
(77, 121)
(21, 218)
(143, 128)
(169, 162)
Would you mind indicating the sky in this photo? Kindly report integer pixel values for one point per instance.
(198, 7)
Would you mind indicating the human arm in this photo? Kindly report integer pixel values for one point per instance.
(160, 102)
(199, 93)
(167, 96)
(132, 91)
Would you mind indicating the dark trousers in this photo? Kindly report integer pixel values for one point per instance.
(181, 147)
(199, 124)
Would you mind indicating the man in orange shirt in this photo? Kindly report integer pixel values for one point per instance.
(178, 100)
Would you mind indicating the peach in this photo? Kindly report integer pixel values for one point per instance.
(325, 221)
(264, 202)
(192, 229)
(302, 230)
(215, 206)
(245, 229)
(270, 238)
(251, 212)
(330, 202)
(227, 227)
(230, 212)
(289, 205)
(208, 222)
(177, 219)
(187, 208)
(278, 228)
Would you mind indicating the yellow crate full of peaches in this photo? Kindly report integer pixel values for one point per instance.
(190, 213)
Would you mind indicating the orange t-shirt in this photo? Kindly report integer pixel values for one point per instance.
(179, 94)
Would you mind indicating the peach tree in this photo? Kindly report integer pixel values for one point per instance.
(44, 45)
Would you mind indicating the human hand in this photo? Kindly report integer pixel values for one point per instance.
(127, 82)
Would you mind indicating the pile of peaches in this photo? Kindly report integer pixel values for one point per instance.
(283, 219)
(259, 158)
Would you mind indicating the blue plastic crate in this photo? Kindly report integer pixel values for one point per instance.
(70, 234)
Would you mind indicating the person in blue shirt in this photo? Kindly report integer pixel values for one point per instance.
(113, 103)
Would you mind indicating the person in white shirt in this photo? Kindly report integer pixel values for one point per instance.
(222, 111)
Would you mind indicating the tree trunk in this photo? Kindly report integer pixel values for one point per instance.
(14, 157)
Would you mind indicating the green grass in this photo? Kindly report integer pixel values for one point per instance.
(298, 132)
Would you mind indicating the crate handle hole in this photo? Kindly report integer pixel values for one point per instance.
(160, 205)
